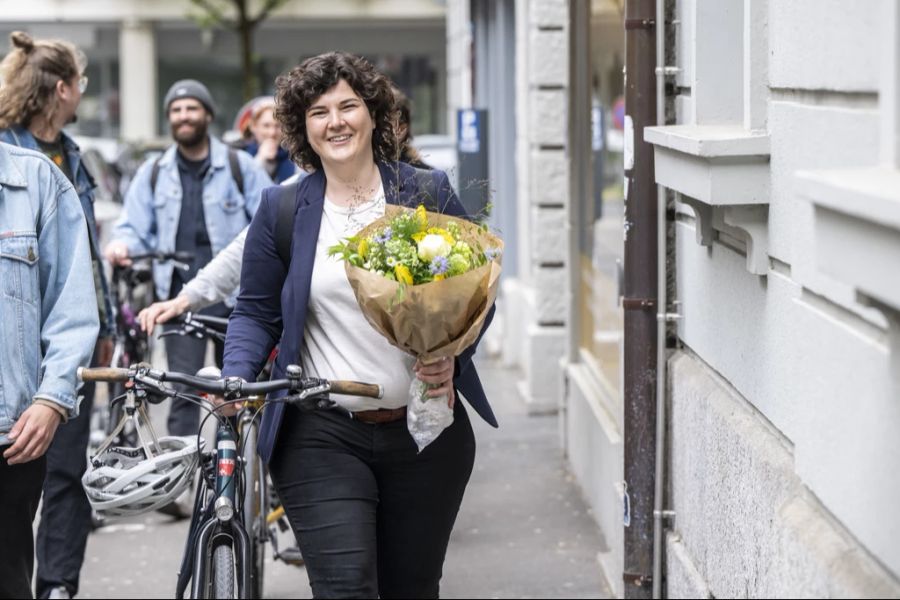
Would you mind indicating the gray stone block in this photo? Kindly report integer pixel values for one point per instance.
(549, 13)
(550, 235)
(549, 53)
(548, 117)
(683, 580)
(549, 171)
(551, 295)
(745, 519)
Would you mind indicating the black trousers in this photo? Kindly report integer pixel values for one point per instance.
(373, 516)
(20, 493)
(66, 513)
(188, 355)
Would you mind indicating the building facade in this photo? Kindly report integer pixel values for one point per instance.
(136, 50)
(781, 162)
(784, 386)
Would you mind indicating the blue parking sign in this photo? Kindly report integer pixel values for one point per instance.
(469, 142)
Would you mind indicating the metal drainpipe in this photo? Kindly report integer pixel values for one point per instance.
(640, 302)
(662, 317)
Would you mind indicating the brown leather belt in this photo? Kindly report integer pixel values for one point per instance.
(382, 415)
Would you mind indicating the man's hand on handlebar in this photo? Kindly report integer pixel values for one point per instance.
(160, 312)
(117, 254)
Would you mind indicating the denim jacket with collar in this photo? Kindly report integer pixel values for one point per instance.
(48, 307)
(84, 187)
(150, 219)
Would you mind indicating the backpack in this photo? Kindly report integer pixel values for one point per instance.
(233, 162)
(287, 208)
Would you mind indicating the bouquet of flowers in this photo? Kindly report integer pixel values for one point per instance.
(426, 282)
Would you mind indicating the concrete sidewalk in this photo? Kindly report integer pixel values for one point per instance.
(524, 530)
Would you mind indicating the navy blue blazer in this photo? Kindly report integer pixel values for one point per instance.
(272, 303)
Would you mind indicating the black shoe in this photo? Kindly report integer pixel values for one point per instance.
(292, 556)
(182, 507)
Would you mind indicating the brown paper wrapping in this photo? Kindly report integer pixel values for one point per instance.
(436, 319)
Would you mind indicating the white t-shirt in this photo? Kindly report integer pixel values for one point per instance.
(338, 341)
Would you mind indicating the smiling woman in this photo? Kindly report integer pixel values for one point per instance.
(307, 84)
(376, 514)
(339, 129)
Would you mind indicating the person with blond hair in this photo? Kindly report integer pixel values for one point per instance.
(265, 145)
(42, 85)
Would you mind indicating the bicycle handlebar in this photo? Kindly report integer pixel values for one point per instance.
(112, 374)
(232, 387)
(219, 323)
(163, 256)
(199, 326)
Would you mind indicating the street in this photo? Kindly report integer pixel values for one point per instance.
(523, 530)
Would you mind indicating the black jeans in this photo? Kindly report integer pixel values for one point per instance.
(188, 355)
(20, 492)
(66, 513)
(373, 516)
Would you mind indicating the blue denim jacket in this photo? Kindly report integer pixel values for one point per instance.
(84, 187)
(48, 308)
(150, 220)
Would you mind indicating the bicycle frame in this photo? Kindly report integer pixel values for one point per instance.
(218, 515)
(225, 522)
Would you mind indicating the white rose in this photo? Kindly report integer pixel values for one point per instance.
(433, 245)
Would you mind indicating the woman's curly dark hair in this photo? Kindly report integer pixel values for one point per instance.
(296, 90)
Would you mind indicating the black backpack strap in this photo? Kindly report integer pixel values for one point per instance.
(427, 190)
(284, 227)
(236, 173)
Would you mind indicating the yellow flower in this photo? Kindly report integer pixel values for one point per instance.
(439, 277)
(363, 248)
(422, 218)
(403, 274)
(443, 233)
(418, 237)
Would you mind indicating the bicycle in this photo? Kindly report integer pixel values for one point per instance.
(133, 290)
(218, 560)
(255, 490)
(262, 508)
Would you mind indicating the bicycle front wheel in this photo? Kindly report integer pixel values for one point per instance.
(223, 572)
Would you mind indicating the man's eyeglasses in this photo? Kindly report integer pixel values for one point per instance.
(82, 83)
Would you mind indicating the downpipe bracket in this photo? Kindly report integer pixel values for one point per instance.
(668, 317)
(667, 71)
(640, 580)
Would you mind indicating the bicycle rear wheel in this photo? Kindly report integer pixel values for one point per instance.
(253, 506)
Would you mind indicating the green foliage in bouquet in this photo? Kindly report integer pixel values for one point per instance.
(412, 252)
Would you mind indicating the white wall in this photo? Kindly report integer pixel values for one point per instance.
(795, 344)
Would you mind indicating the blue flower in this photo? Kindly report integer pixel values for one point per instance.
(492, 253)
(384, 236)
(439, 265)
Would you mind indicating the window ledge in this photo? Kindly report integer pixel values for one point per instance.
(857, 230)
(722, 172)
(709, 141)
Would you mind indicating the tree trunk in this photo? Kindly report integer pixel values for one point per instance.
(250, 88)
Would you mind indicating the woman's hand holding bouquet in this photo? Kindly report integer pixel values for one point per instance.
(426, 282)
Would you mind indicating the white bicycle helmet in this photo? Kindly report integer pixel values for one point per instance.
(123, 481)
